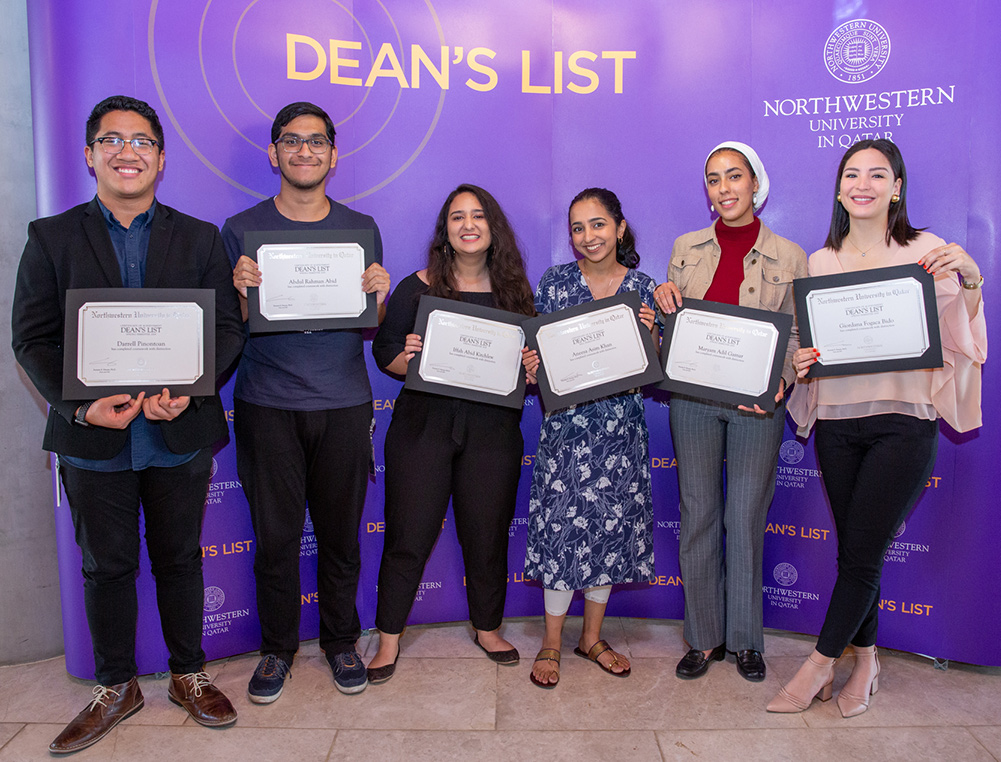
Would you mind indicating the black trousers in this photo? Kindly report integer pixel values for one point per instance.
(288, 459)
(874, 469)
(105, 509)
(436, 448)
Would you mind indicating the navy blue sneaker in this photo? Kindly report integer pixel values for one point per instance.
(268, 680)
(350, 675)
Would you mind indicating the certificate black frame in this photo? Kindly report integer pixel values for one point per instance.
(552, 401)
(766, 401)
(252, 242)
(75, 389)
(931, 358)
(427, 305)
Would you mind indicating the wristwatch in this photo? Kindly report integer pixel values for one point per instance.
(971, 286)
(81, 414)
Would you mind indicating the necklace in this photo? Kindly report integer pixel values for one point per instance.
(859, 248)
(594, 293)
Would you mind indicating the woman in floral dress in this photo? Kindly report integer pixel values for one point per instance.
(591, 514)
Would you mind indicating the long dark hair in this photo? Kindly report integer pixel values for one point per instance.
(505, 263)
(625, 252)
(898, 227)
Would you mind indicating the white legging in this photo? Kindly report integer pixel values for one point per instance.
(558, 601)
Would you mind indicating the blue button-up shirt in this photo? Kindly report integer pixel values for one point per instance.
(144, 446)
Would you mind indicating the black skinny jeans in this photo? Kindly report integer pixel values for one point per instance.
(875, 469)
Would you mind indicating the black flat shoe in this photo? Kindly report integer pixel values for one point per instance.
(508, 658)
(695, 663)
(751, 665)
(381, 674)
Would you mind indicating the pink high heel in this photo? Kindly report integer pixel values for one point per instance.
(787, 703)
(850, 704)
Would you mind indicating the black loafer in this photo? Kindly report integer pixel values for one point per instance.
(751, 665)
(695, 663)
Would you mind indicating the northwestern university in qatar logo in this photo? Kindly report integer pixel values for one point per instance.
(785, 574)
(857, 51)
(214, 598)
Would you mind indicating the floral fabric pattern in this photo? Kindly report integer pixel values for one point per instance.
(590, 510)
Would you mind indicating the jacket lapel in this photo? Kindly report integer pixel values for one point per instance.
(159, 245)
(96, 229)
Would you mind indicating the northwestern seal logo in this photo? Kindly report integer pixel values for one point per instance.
(215, 468)
(791, 452)
(857, 51)
(214, 598)
(900, 530)
(785, 574)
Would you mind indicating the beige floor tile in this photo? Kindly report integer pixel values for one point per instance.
(8, 730)
(153, 744)
(863, 744)
(651, 698)
(654, 638)
(424, 693)
(989, 737)
(778, 643)
(524, 746)
(44, 692)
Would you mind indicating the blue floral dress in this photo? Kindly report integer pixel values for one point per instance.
(590, 511)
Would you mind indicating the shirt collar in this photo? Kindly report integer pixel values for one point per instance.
(144, 219)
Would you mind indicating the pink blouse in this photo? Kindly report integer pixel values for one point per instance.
(951, 392)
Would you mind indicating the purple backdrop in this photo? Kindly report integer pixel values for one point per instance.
(535, 101)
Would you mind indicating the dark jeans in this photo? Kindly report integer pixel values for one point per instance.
(437, 448)
(288, 459)
(874, 469)
(105, 511)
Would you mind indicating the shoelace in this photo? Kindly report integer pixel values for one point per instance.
(198, 680)
(100, 694)
(273, 666)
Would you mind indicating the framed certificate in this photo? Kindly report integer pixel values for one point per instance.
(725, 353)
(592, 350)
(311, 280)
(870, 321)
(469, 351)
(128, 340)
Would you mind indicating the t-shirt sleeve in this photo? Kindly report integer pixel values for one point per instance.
(232, 242)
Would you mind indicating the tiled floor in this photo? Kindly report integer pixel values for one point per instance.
(447, 701)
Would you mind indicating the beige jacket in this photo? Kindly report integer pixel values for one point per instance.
(769, 269)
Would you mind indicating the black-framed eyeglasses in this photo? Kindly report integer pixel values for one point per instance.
(113, 144)
(293, 143)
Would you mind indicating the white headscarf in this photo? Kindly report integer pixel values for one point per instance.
(752, 158)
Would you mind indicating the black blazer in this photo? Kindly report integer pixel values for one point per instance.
(74, 250)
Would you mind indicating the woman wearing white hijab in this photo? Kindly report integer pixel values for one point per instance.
(739, 261)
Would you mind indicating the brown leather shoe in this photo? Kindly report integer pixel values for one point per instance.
(206, 704)
(111, 704)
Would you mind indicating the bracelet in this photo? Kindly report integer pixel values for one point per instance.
(971, 286)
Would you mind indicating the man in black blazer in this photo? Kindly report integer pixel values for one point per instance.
(118, 451)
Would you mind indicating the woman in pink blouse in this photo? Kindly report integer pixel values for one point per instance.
(877, 434)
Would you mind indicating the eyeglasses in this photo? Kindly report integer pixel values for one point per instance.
(113, 145)
(293, 143)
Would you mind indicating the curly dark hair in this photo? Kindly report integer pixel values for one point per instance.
(505, 263)
(898, 227)
(625, 252)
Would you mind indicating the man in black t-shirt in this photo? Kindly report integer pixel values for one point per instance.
(303, 422)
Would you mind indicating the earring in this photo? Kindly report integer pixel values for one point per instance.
(620, 240)
(447, 250)
(712, 208)
(754, 199)
(839, 198)
(894, 198)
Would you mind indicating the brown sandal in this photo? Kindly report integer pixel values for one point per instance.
(547, 654)
(597, 650)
